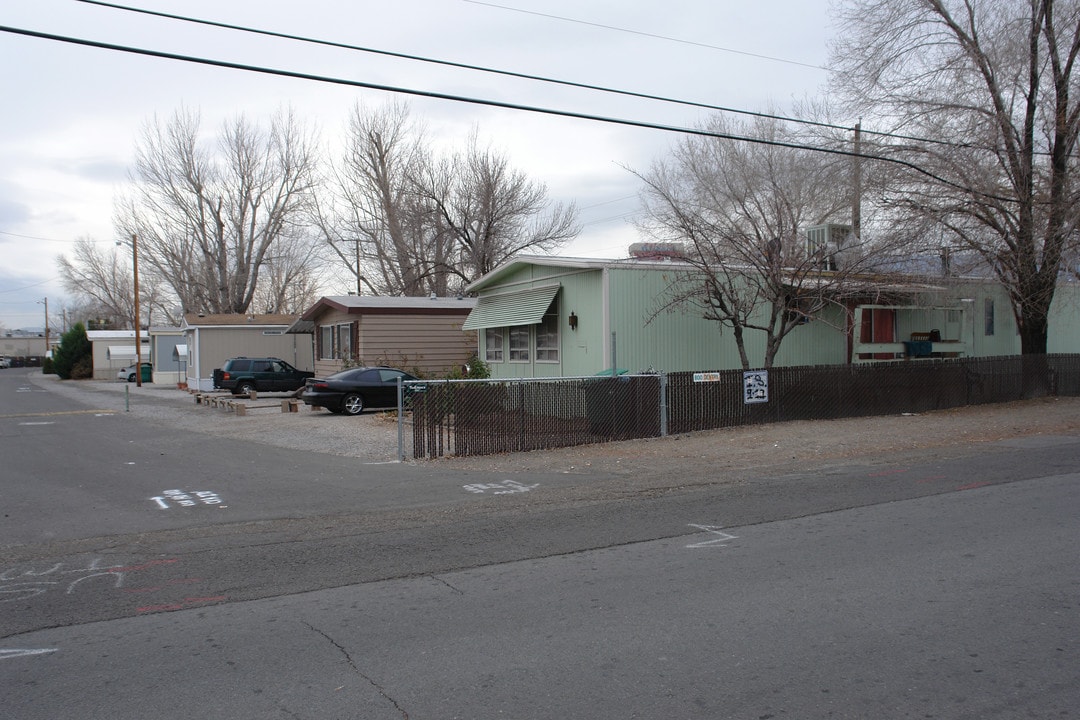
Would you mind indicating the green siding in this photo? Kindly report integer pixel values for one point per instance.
(649, 336)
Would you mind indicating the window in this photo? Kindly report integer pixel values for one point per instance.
(344, 346)
(335, 342)
(988, 316)
(326, 342)
(493, 345)
(547, 336)
(519, 343)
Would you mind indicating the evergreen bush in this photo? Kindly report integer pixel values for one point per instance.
(75, 347)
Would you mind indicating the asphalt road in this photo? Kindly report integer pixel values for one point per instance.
(302, 585)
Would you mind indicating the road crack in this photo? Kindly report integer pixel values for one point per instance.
(439, 579)
(348, 658)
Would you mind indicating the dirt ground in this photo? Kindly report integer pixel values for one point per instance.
(373, 436)
(802, 442)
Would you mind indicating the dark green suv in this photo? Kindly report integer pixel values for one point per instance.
(243, 374)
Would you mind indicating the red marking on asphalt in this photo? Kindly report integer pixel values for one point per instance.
(158, 608)
(972, 486)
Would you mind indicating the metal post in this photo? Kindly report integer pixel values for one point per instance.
(127, 394)
(663, 405)
(138, 340)
(614, 364)
(400, 422)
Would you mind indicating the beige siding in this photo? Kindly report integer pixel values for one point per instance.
(218, 344)
(431, 345)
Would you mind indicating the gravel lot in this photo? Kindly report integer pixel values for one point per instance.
(374, 436)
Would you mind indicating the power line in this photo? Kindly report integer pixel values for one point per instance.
(645, 34)
(460, 66)
(699, 132)
(518, 75)
(34, 237)
(27, 287)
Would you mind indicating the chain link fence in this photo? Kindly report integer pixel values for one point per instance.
(484, 417)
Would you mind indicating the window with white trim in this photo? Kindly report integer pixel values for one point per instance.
(493, 344)
(519, 343)
(547, 336)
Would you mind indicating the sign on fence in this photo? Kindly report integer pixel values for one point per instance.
(706, 377)
(755, 386)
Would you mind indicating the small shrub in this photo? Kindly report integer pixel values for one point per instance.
(474, 369)
(83, 369)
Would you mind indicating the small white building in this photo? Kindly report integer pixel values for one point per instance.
(114, 349)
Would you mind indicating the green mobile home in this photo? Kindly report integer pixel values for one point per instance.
(539, 316)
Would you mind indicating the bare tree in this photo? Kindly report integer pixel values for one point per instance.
(491, 211)
(407, 223)
(992, 85)
(103, 283)
(740, 211)
(373, 221)
(210, 221)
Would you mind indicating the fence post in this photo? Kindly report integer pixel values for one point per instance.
(521, 415)
(400, 421)
(663, 404)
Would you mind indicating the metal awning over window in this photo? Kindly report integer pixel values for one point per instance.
(180, 352)
(524, 307)
(125, 352)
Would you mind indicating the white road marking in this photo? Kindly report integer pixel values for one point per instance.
(20, 652)
(718, 541)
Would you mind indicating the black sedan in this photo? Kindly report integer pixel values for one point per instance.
(351, 391)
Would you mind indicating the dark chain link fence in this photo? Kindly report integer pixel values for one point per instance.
(484, 417)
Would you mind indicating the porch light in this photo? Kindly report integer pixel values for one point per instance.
(573, 321)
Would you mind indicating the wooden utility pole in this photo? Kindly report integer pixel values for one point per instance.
(856, 184)
(46, 302)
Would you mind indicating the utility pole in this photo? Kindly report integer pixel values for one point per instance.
(856, 184)
(46, 303)
(360, 274)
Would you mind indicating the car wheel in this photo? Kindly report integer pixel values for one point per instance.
(352, 404)
(131, 377)
(245, 388)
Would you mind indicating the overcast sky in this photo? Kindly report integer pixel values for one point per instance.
(71, 113)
